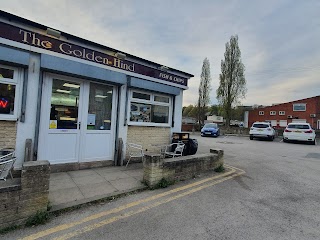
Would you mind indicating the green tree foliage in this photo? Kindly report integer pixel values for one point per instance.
(204, 91)
(232, 86)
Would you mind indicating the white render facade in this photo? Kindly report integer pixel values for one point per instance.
(77, 101)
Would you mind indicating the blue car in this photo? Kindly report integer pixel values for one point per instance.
(210, 129)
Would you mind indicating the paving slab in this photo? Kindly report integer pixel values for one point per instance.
(134, 173)
(97, 189)
(65, 195)
(60, 176)
(61, 184)
(115, 175)
(82, 173)
(88, 180)
(126, 183)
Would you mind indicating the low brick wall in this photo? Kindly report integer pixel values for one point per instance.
(22, 198)
(180, 168)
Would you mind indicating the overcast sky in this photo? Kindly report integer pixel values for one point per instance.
(279, 39)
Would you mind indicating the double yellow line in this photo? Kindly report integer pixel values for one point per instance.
(212, 181)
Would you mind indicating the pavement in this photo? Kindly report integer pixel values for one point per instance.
(69, 189)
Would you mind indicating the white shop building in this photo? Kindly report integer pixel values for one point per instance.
(76, 101)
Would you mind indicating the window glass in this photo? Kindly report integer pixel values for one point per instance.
(7, 96)
(210, 125)
(160, 114)
(299, 126)
(140, 112)
(261, 112)
(260, 125)
(299, 107)
(141, 96)
(6, 73)
(100, 107)
(64, 105)
(161, 99)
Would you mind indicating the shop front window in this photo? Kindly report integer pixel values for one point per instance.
(7, 97)
(150, 109)
(9, 84)
(64, 105)
(100, 107)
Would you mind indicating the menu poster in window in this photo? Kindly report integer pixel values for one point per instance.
(53, 124)
(91, 120)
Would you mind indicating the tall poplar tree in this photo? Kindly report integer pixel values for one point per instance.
(204, 91)
(232, 86)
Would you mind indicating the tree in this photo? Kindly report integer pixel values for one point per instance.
(232, 86)
(204, 91)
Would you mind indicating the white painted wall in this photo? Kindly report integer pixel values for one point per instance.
(27, 129)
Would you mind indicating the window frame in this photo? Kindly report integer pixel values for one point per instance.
(149, 102)
(305, 107)
(261, 113)
(17, 81)
(273, 113)
(282, 113)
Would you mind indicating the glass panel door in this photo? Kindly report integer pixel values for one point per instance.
(64, 105)
(100, 107)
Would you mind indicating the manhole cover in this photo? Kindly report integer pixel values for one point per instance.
(313, 155)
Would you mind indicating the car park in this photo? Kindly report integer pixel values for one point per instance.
(210, 129)
(299, 132)
(262, 130)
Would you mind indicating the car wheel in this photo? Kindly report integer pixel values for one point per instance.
(313, 142)
(251, 137)
(285, 140)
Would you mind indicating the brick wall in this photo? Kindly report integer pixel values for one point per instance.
(149, 136)
(312, 107)
(22, 198)
(8, 133)
(181, 168)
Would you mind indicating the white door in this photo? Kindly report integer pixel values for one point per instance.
(76, 121)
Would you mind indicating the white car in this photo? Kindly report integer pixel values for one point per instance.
(299, 132)
(262, 130)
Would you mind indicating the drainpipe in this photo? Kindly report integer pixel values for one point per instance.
(37, 127)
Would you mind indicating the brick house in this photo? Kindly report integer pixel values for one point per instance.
(302, 110)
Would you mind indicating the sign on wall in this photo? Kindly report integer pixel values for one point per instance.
(21, 35)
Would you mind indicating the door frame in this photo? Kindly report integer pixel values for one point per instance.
(82, 116)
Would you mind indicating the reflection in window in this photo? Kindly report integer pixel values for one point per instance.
(299, 107)
(141, 95)
(7, 96)
(100, 107)
(64, 105)
(6, 73)
(161, 99)
(160, 114)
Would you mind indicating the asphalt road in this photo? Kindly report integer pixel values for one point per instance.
(277, 198)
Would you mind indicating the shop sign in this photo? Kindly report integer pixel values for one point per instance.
(21, 35)
(4, 105)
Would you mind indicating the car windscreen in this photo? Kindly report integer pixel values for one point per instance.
(299, 126)
(260, 125)
(211, 125)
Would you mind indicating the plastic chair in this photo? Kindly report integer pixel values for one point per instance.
(177, 150)
(135, 151)
(5, 168)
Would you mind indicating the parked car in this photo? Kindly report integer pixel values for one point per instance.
(299, 132)
(210, 129)
(262, 130)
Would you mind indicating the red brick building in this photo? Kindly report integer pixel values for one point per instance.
(303, 110)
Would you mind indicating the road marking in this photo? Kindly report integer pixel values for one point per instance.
(116, 210)
(143, 209)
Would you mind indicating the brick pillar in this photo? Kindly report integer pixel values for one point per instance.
(152, 169)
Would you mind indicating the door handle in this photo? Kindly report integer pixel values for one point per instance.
(79, 125)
